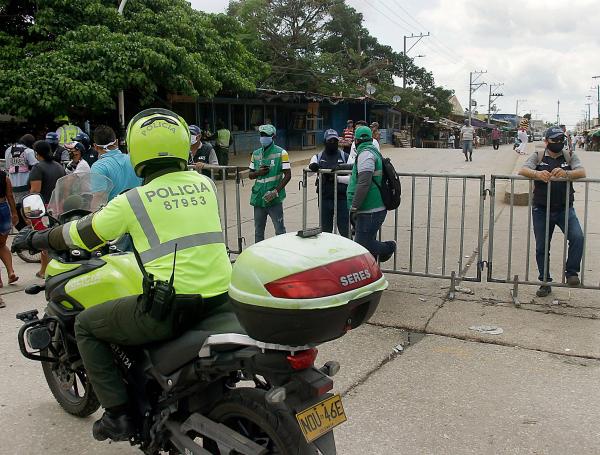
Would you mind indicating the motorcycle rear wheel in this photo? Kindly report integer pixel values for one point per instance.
(72, 389)
(245, 411)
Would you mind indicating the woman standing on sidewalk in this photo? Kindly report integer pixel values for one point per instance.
(8, 219)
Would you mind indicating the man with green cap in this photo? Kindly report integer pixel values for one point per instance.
(367, 210)
(270, 167)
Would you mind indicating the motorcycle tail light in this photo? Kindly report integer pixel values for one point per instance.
(303, 359)
(335, 278)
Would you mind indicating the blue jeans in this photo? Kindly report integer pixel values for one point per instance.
(260, 220)
(342, 215)
(574, 237)
(367, 226)
(467, 147)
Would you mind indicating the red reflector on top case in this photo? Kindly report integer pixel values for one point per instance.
(335, 278)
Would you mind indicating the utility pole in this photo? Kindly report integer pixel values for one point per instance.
(558, 112)
(517, 107)
(419, 37)
(121, 96)
(588, 104)
(598, 99)
(474, 85)
(495, 95)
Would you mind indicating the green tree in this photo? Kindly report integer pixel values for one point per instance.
(61, 56)
(323, 46)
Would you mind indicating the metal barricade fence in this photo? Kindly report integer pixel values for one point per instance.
(513, 225)
(219, 175)
(425, 222)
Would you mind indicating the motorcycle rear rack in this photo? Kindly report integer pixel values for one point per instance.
(238, 339)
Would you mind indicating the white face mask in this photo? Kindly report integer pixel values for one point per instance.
(193, 139)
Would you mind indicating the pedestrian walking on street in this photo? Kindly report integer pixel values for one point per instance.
(67, 131)
(77, 164)
(522, 136)
(367, 210)
(556, 161)
(59, 152)
(19, 159)
(271, 170)
(202, 154)
(331, 157)
(347, 136)
(496, 138)
(467, 134)
(451, 139)
(376, 132)
(42, 180)
(8, 219)
(223, 141)
(112, 163)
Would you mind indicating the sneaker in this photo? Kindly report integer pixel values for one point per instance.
(573, 281)
(386, 257)
(543, 291)
(117, 428)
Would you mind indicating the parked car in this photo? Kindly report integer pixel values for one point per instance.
(538, 136)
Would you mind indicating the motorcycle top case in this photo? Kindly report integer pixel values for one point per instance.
(296, 291)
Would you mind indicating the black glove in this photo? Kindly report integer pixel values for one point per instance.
(313, 167)
(22, 240)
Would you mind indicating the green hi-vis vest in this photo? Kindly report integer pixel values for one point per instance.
(179, 208)
(270, 157)
(66, 133)
(223, 138)
(373, 199)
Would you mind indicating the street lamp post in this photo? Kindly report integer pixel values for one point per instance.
(370, 89)
(598, 99)
(121, 96)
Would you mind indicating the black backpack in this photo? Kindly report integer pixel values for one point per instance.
(390, 189)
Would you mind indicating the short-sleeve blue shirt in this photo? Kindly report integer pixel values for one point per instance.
(117, 167)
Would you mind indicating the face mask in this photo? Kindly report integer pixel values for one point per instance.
(193, 139)
(556, 147)
(265, 141)
(331, 147)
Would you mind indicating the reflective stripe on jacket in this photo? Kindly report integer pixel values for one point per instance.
(179, 208)
(272, 157)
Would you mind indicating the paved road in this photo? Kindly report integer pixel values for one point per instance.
(532, 389)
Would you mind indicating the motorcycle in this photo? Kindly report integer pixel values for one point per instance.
(242, 380)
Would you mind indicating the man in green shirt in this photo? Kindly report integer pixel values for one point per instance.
(364, 198)
(270, 167)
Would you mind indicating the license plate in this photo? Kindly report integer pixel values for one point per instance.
(321, 418)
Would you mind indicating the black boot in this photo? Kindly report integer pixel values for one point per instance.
(115, 427)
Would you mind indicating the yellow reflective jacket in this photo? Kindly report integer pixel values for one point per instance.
(179, 208)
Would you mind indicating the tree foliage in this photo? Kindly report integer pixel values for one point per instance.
(60, 56)
(323, 46)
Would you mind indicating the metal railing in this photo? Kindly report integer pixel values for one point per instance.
(511, 228)
(224, 176)
(424, 222)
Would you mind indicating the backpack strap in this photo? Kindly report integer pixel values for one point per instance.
(540, 155)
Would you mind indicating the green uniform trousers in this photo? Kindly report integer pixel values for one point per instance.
(222, 155)
(120, 322)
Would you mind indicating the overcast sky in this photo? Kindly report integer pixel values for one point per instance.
(542, 50)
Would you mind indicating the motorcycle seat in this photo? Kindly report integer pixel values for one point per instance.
(172, 355)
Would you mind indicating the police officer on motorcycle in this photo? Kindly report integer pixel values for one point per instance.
(174, 223)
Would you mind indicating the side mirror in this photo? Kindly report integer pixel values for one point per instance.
(33, 206)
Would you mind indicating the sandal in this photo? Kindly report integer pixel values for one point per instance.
(39, 275)
(12, 278)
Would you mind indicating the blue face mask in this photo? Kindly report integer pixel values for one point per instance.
(265, 141)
